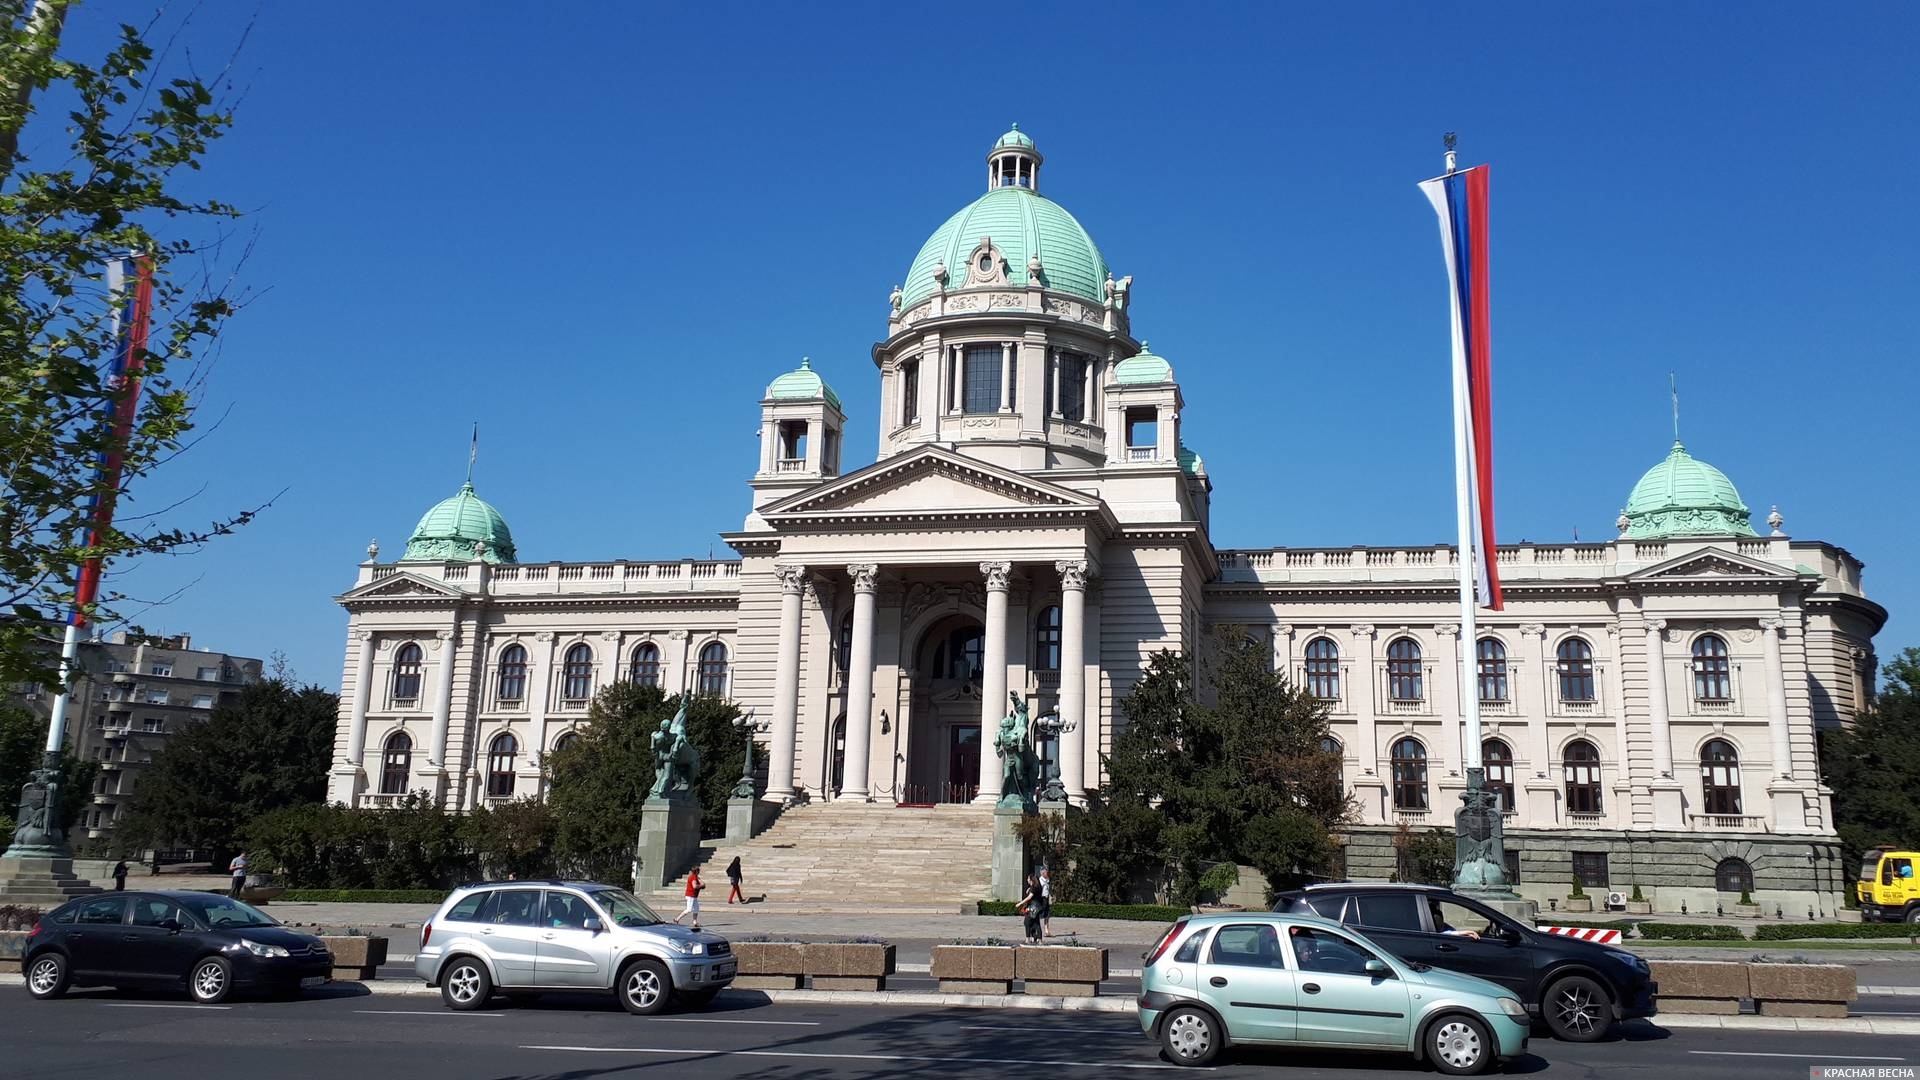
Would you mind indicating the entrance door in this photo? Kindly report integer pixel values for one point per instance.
(963, 764)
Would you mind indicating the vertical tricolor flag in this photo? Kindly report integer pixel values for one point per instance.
(1460, 200)
(125, 372)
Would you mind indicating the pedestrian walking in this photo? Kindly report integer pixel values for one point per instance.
(733, 876)
(1029, 906)
(693, 898)
(238, 868)
(1046, 902)
(120, 876)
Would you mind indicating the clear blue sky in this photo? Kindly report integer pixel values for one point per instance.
(600, 229)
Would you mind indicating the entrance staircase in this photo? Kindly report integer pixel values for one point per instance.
(855, 857)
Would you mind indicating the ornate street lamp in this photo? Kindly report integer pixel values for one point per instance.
(1050, 725)
(750, 727)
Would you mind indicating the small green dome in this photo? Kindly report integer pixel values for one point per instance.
(1021, 223)
(449, 530)
(1191, 463)
(1143, 369)
(1683, 496)
(802, 384)
(1014, 137)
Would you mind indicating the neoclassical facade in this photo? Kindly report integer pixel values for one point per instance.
(1035, 524)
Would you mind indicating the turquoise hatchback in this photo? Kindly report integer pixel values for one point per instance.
(1297, 980)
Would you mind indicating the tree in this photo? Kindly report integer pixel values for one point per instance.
(1873, 767)
(23, 739)
(109, 187)
(601, 781)
(267, 747)
(1232, 770)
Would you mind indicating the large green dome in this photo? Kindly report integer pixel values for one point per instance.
(1684, 496)
(449, 530)
(1022, 223)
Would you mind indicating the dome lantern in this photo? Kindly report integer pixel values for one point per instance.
(1014, 162)
(1683, 496)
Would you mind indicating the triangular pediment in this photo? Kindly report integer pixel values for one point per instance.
(403, 585)
(1710, 564)
(929, 480)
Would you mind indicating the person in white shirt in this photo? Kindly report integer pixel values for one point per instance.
(238, 868)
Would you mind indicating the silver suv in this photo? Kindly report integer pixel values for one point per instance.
(522, 937)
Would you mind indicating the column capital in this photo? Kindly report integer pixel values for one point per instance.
(1450, 629)
(362, 635)
(1655, 626)
(865, 576)
(1074, 573)
(1774, 625)
(792, 579)
(1532, 630)
(1361, 630)
(999, 576)
(543, 636)
(1284, 630)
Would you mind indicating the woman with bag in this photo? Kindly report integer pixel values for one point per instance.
(733, 876)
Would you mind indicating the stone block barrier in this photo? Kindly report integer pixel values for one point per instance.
(12, 944)
(974, 969)
(1061, 970)
(1701, 986)
(848, 965)
(356, 957)
(1799, 989)
(769, 965)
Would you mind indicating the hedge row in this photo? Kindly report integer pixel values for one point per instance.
(364, 896)
(1134, 912)
(1796, 931)
(1690, 931)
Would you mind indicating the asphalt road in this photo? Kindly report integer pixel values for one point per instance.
(156, 1037)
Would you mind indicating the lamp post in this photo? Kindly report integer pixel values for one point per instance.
(749, 726)
(1051, 726)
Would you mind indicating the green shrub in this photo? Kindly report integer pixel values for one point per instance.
(363, 896)
(1133, 912)
(1579, 892)
(1690, 931)
(1798, 931)
(1636, 897)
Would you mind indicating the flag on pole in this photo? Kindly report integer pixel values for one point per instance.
(125, 372)
(1460, 200)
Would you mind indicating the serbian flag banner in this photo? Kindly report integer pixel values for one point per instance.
(1460, 200)
(125, 374)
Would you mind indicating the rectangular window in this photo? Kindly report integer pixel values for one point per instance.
(203, 701)
(1513, 866)
(1253, 945)
(1388, 911)
(1590, 868)
(1073, 387)
(158, 697)
(163, 670)
(207, 674)
(981, 379)
(910, 392)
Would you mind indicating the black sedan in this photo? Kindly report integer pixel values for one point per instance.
(211, 945)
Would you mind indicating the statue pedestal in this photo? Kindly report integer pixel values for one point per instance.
(748, 818)
(669, 840)
(40, 880)
(1009, 853)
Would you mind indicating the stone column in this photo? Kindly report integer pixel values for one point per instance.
(853, 785)
(1660, 720)
(443, 697)
(1463, 684)
(1073, 676)
(993, 678)
(786, 686)
(539, 680)
(362, 693)
(1362, 699)
(1770, 631)
(1053, 374)
(1006, 377)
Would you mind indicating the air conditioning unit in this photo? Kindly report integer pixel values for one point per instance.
(1616, 901)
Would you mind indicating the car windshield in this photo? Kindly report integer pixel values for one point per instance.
(220, 912)
(620, 905)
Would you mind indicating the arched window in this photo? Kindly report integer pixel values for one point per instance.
(1580, 765)
(1331, 745)
(1323, 669)
(576, 673)
(1720, 777)
(644, 670)
(1733, 876)
(1046, 640)
(500, 754)
(713, 669)
(513, 673)
(1498, 760)
(1403, 670)
(843, 645)
(396, 762)
(1409, 775)
(1493, 671)
(1712, 673)
(567, 741)
(1576, 670)
(406, 673)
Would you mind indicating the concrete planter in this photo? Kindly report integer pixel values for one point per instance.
(1744, 911)
(1798, 989)
(1701, 986)
(848, 966)
(356, 957)
(12, 944)
(1847, 915)
(1639, 907)
(974, 969)
(769, 965)
(1061, 970)
(1578, 903)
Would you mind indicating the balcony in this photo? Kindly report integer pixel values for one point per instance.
(790, 465)
(1045, 681)
(1728, 822)
(1576, 709)
(1143, 453)
(114, 733)
(1713, 707)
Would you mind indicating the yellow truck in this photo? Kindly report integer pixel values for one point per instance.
(1889, 886)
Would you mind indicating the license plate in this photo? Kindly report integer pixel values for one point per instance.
(723, 971)
(312, 981)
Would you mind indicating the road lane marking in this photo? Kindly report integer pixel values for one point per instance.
(1814, 1057)
(722, 1020)
(421, 1012)
(925, 1058)
(1131, 1030)
(133, 1005)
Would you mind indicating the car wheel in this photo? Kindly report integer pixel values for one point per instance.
(1577, 1009)
(465, 984)
(645, 987)
(699, 999)
(1190, 1037)
(1459, 1045)
(1913, 913)
(48, 976)
(210, 981)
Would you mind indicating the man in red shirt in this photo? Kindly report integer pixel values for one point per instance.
(693, 898)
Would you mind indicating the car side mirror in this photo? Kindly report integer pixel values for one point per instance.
(594, 925)
(1509, 935)
(1378, 969)
(171, 926)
